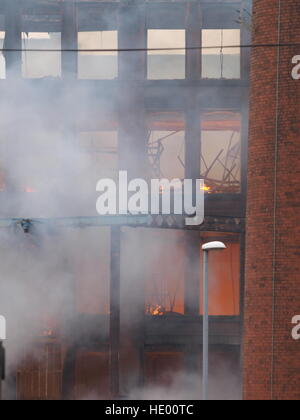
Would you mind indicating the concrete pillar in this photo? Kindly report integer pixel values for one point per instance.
(13, 40)
(69, 40)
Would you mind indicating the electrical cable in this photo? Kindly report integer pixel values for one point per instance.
(114, 50)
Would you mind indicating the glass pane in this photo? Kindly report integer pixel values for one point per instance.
(221, 54)
(98, 65)
(166, 64)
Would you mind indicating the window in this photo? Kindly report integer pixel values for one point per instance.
(224, 277)
(164, 276)
(39, 64)
(2, 59)
(98, 65)
(166, 148)
(221, 54)
(221, 151)
(158, 265)
(166, 64)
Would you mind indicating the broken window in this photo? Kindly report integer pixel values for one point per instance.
(2, 59)
(164, 277)
(39, 64)
(166, 144)
(168, 63)
(154, 279)
(221, 152)
(224, 276)
(221, 54)
(96, 64)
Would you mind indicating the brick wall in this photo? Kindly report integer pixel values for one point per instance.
(272, 290)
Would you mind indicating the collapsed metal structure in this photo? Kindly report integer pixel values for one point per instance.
(202, 103)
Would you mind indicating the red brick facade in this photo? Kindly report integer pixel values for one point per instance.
(272, 291)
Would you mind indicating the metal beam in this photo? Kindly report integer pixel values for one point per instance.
(76, 222)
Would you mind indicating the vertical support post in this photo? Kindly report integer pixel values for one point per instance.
(115, 312)
(2, 367)
(132, 158)
(69, 40)
(13, 39)
(192, 171)
(205, 326)
(193, 40)
(132, 70)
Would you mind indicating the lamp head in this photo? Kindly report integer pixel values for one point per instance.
(213, 246)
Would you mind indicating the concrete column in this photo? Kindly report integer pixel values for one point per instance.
(69, 40)
(13, 40)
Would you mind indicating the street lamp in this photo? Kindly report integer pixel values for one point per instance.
(2, 352)
(210, 246)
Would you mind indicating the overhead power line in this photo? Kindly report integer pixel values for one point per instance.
(114, 50)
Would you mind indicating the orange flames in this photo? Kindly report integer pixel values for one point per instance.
(155, 310)
(206, 189)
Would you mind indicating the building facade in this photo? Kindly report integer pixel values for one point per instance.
(160, 89)
(271, 362)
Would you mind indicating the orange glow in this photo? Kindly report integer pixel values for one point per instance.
(48, 333)
(224, 281)
(30, 190)
(164, 277)
(211, 121)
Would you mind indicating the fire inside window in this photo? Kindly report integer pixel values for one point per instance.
(221, 151)
(98, 65)
(221, 54)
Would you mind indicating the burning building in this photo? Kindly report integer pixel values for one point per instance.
(111, 307)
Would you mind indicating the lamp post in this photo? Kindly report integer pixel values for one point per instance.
(2, 352)
(210, 246)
